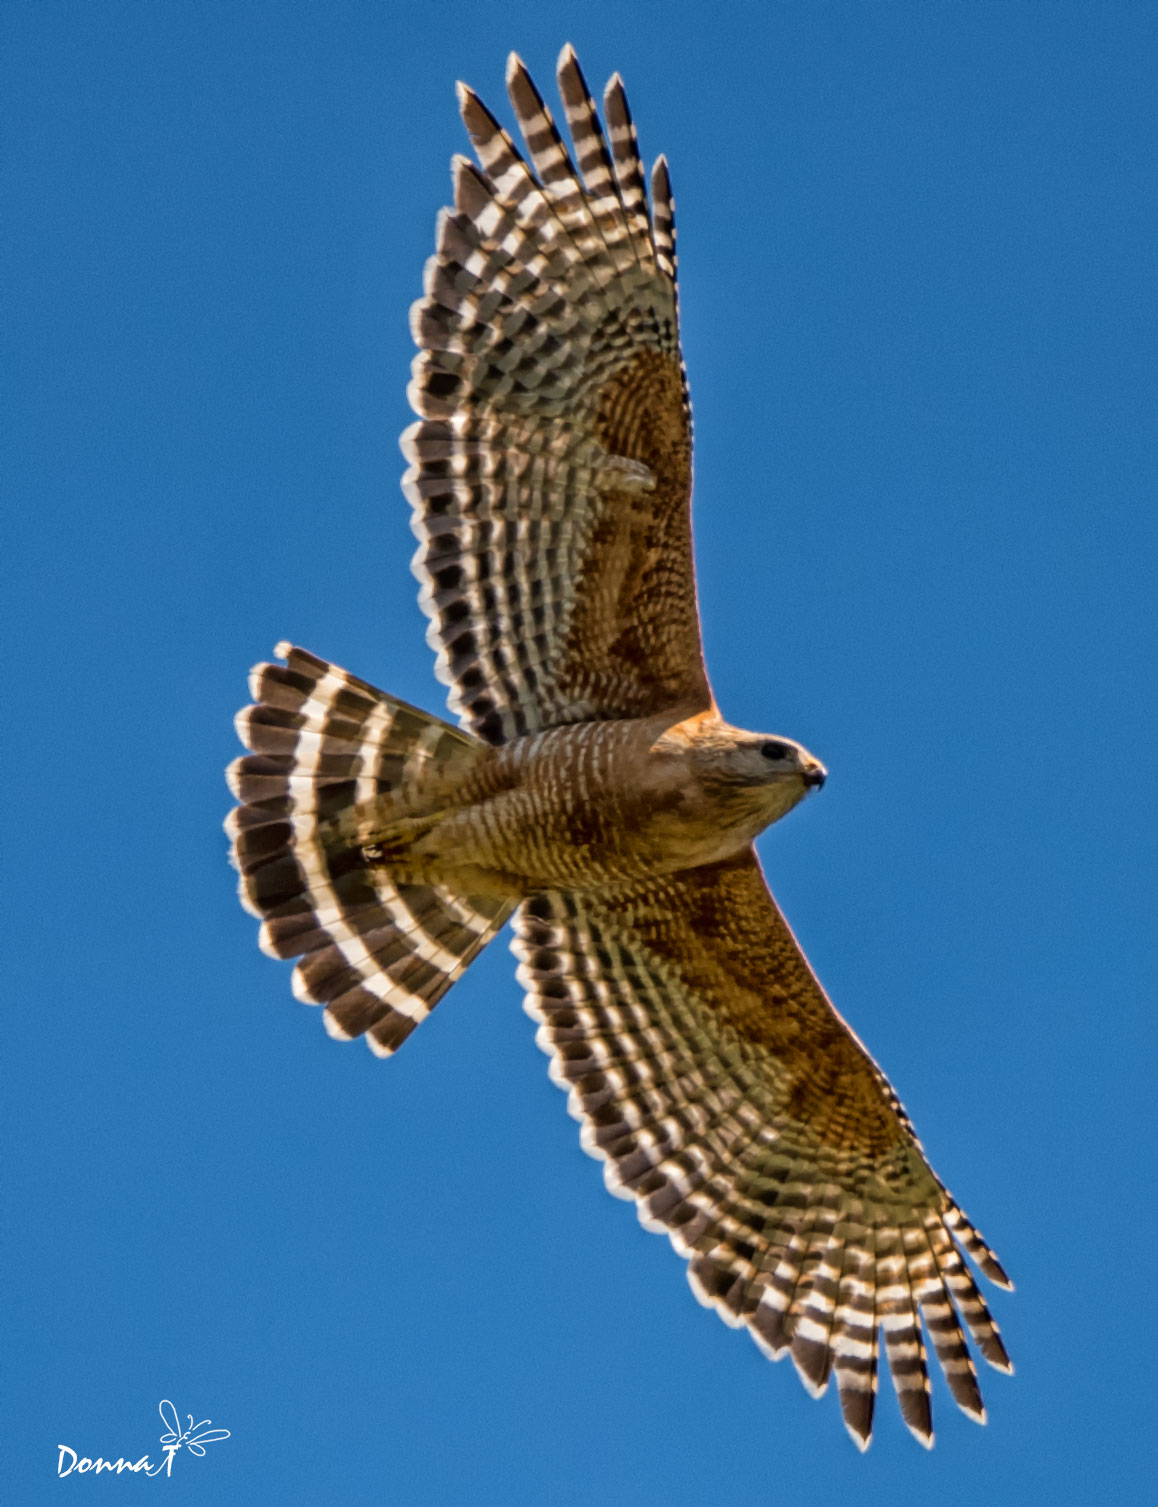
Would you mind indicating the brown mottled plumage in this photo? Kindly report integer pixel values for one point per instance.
(595, 791)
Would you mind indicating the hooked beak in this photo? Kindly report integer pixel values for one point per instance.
(815, 775)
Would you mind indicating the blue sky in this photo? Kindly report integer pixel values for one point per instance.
(919, 316)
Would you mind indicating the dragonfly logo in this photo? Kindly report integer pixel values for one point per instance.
(193, 1437)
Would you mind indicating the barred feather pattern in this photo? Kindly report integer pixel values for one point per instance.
(549, 475)
(378, 955)
(550, 471)
(748, 1123)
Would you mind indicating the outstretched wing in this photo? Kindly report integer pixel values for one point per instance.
(550, 470)
(728, 1098)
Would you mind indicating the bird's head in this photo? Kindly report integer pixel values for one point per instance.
(751, 777)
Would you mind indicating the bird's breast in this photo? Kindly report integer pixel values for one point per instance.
(586, 806)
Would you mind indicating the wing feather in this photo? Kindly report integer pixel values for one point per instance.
(549, 473)
(727, 1098)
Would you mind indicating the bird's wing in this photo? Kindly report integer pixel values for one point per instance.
(729, 1099)
(550, 470)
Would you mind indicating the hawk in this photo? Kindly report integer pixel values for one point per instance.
(593, 791)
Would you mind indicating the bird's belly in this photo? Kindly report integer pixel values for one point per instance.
(580, 813)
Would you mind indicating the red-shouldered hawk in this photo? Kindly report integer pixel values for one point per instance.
(595, 791)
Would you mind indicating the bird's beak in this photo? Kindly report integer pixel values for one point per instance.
(815, 774)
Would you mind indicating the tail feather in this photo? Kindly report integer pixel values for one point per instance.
(377, 953)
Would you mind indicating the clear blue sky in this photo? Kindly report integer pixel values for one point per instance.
(919, 311)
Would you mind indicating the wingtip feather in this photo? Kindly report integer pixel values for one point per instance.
(301, 990)
(334, 1028)
(813, 1388)
(243, 895)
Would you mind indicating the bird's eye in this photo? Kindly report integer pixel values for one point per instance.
(774, 750)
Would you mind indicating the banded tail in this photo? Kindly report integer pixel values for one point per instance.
(378, 955)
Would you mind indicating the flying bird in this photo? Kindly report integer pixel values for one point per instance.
(593, 791)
